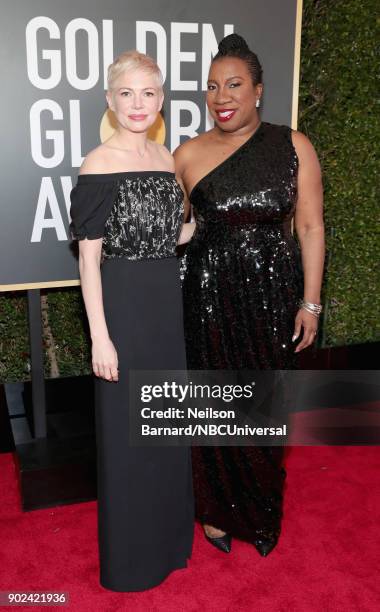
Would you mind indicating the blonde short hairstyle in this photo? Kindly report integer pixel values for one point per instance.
(132, 60)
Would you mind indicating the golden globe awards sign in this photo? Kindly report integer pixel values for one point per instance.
(54, 60)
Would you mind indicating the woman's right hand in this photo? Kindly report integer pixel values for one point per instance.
(104, 359)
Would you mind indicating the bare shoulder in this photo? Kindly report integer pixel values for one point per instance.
(303, 146)
(190, 148)
(94, 162)
(310, 169)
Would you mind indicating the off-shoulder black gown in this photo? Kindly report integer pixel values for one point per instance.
(145, 496)
(241, 287)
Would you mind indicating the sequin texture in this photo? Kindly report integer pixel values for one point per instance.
(138, 214)
(145, 219)
(242, 279)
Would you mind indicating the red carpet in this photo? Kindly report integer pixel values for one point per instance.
(327, 558)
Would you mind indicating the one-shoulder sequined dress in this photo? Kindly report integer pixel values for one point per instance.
(145, 496)
(242, 281)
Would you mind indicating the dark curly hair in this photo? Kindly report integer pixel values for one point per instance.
(234, 45)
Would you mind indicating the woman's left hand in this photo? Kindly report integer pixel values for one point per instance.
(309, 324)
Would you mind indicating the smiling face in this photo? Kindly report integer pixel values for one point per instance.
(136, 97)
(231, 94)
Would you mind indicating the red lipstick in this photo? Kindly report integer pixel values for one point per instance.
(225, 114)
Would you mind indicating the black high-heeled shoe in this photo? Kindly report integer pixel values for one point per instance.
(264, 546)
(222, 543)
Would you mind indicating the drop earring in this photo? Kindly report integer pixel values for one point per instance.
(258, 103)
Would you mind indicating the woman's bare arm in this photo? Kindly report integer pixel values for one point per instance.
(180, 158)
(104, 356)
(310, 231)
(89, 270)
(187, 232)
(188, 229)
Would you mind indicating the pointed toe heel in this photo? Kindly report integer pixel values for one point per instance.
(264, 547)
(222, 543)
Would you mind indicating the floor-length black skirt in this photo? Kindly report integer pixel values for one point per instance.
(145, 494)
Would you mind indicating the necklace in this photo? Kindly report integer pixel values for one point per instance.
(127, 150)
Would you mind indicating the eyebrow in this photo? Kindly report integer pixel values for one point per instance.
(229, 79)
(131, 88)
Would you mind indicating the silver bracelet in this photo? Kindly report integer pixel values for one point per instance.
(314, 309)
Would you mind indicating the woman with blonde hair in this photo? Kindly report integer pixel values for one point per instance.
(127, 212)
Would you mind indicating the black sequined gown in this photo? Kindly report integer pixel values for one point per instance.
(242, 279)
(145, 496)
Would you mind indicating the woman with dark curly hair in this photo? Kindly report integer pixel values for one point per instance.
(246, 298)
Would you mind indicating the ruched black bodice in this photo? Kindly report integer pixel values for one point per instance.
(242, 282)
(138, 214)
